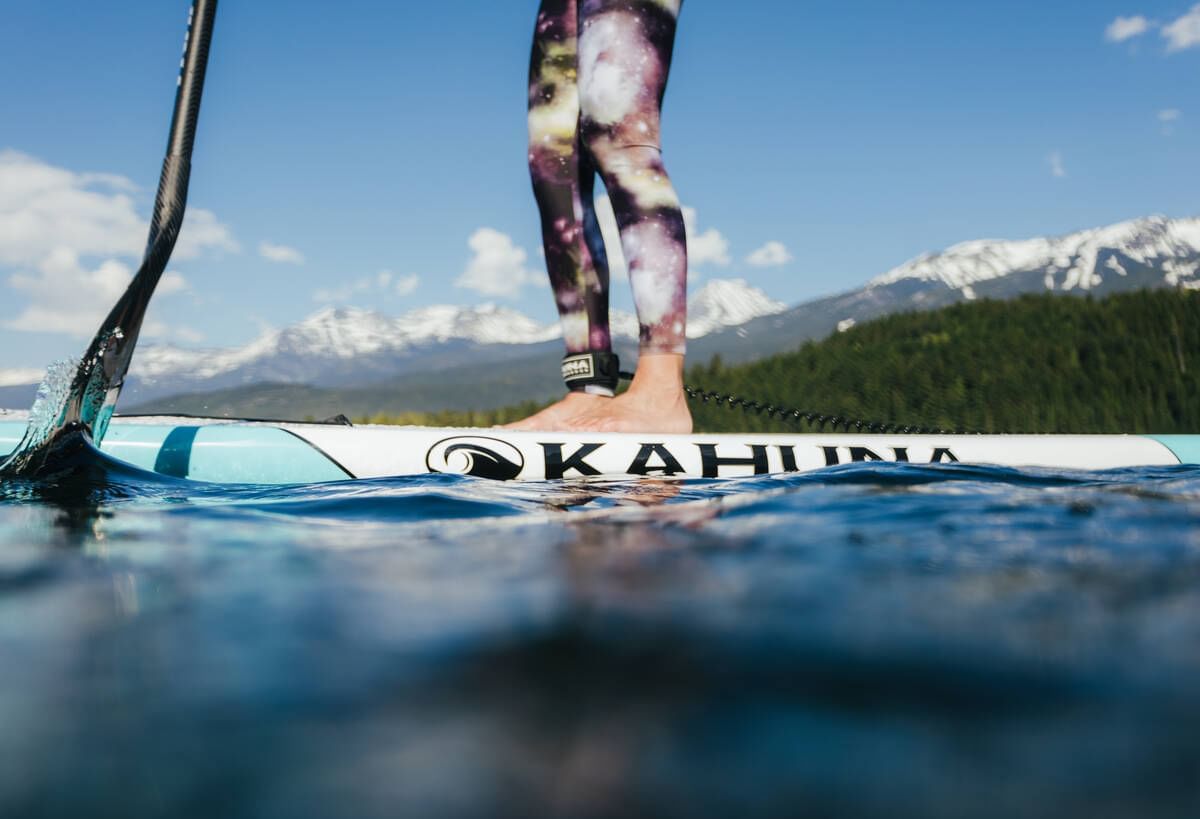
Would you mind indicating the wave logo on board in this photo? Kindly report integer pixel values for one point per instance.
(480, 457)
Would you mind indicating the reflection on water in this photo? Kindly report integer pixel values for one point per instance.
(875, 640)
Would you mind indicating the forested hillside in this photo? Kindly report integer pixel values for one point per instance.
(1126, 363)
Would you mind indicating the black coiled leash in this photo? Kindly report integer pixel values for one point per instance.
(800, 417)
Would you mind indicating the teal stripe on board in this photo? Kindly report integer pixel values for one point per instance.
(223, 453)
(175, 457)
(1185, 447)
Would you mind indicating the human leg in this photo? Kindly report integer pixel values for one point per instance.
(625, 49)
(563, 179)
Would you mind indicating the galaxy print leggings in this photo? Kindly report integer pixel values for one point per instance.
(596, 85)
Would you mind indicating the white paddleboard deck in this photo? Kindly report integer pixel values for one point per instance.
(224, 451)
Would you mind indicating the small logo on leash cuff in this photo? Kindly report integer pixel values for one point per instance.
(574, 368)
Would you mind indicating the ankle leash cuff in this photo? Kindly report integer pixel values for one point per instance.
(584, 370)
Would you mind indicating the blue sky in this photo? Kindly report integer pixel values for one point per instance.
(339, 142)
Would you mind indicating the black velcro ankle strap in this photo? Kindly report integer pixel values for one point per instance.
(584, 370)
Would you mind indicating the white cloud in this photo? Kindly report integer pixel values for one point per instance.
(1184, 33)
(709, 247)
(383, 284)
(71, 241)
(280, 254)
(15, 378)
(772, 254)
(201, 233)
(169, 331)
(1168, 117)
(497, 265)
(397, 285)
(43, 207)
(171, 282)
(1057, 169)
(1126, 28)
(189, 334)
(405, 285)
(343, 294)
(1180, 34)
(66, 296)
(340, 295)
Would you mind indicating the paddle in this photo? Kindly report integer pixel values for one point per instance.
(88, 404)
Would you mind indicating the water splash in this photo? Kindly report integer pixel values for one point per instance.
(73, 395)
(51, 396)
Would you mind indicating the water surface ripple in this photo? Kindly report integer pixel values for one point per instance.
(870, 640)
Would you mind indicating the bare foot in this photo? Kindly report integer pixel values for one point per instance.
(655, 402)
(555, 416)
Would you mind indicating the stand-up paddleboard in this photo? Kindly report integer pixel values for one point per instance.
(223, 451)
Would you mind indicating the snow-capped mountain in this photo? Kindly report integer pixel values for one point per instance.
(348, 333)
(349, 346)
(1139, 254)
(727, 303)
(353, 335)
(1078, 261)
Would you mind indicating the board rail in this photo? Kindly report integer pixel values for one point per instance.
(275, 453)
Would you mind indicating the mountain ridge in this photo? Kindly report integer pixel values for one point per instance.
(350, 334)
(1148, 253)
(348, 347)
(1073, 256)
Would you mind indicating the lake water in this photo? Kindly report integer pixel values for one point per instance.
(872, 640)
